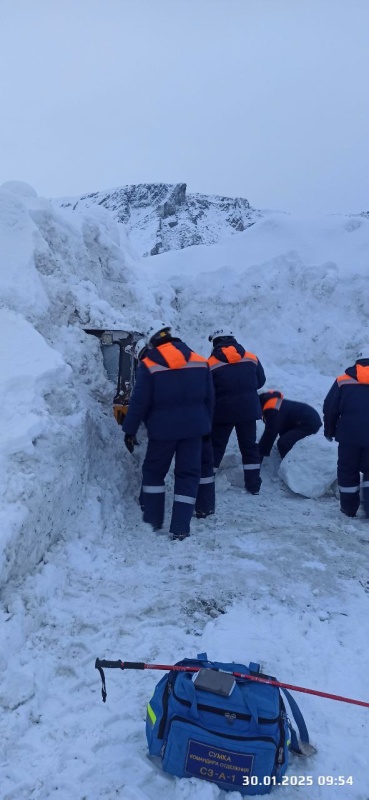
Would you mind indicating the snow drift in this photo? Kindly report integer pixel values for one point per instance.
(59, 273)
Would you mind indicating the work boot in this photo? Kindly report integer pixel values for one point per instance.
(255, 489)
(203, 514)
(351, 514)
(254, 486)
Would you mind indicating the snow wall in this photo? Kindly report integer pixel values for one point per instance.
(59, 273)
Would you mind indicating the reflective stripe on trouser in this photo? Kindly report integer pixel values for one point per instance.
(187, 472)
(154, 469)
(348, 477)
(246, 437)
(205, 500)
(187, 469)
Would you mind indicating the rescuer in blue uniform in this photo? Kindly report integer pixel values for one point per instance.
(288, 419)
(174, 397)
(346, 419)
(237, 376)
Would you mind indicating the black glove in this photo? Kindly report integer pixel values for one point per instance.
(130, 442)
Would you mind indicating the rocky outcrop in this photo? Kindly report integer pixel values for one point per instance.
(161, 216)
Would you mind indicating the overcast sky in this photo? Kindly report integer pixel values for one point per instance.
(265, 99)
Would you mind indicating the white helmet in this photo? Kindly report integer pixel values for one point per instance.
(139, 348)
(363, 353)
(221, 333)
(157, 331)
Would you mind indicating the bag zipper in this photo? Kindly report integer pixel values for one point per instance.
(165, 700)
(229, 715)
(282, 733)
(223, 735)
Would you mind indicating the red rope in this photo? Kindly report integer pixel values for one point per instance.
(257, 679)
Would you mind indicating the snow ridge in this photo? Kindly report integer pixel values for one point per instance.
(161, 217)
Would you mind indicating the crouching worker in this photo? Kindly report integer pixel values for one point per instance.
(287, 419)
(173, 396)
(346, 419)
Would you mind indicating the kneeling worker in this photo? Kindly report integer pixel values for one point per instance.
(173, 396)
(288, 419)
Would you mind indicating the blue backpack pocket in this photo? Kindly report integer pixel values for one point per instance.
(195, 752)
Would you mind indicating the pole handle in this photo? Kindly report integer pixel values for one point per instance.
(101, 662)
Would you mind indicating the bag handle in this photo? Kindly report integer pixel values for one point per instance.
(249, 702)
(301, 725)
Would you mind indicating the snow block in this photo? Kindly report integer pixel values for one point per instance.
(310, 467)
(231, 467)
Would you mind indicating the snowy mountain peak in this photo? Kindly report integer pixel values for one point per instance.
(163, 216)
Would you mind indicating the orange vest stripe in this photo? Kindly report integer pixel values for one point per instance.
(233, 357)
(362, 373)
(344, 379)
(274, 402)
(251, 356)
(231, 354)
(174, 358)
(196, 357)
(214, 362)
(148, 363)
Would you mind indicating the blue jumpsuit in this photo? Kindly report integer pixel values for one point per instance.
(346, 418)
(174, 397)
(237, 375)
(288, 419)
(205, 500)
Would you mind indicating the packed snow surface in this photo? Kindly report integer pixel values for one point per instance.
(281, 578)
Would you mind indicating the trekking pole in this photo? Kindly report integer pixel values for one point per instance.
(100, 664)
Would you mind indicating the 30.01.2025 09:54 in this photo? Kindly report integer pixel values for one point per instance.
(298, 780)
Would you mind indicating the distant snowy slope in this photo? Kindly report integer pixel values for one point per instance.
(161, 217)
